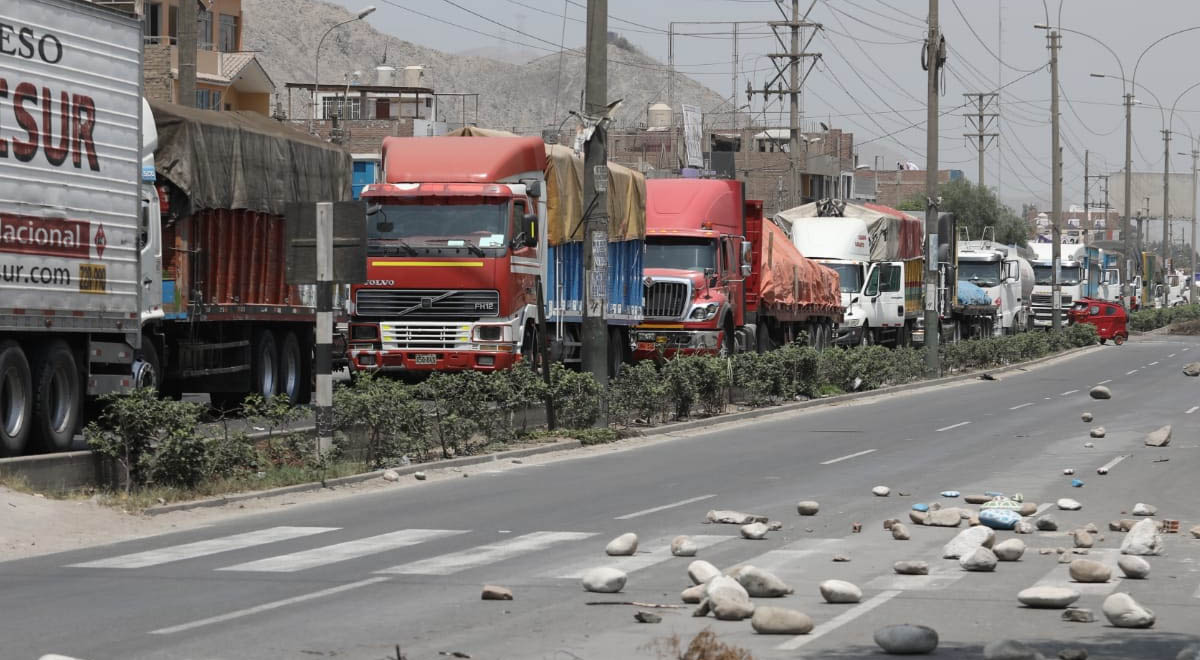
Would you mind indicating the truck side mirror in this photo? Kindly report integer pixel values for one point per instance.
(710, 276)
(747, 252)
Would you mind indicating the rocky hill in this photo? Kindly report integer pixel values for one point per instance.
(520, 96)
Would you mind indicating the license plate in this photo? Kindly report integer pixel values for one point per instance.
(425, 358)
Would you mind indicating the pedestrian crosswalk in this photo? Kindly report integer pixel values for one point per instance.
(456, 562)
(306, 559)
(203, 548)
(652, 553)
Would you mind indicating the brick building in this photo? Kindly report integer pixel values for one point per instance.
(894, 187)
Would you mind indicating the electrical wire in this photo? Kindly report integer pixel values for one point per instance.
(897, 86)
(982, 42)
(922, 24)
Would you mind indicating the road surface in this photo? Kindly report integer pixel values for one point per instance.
(357, 577)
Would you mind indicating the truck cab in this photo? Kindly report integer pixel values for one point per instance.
(1008, 282)
(843, 244)
(1072, 281)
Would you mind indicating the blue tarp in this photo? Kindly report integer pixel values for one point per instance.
(969, 294)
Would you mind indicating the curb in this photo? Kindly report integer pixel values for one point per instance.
(664, 429)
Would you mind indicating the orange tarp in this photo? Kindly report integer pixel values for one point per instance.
(788, 278)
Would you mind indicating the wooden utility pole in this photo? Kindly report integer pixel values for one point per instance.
(187, 32)
(933, 50)
(1056, 183)
(595, 337)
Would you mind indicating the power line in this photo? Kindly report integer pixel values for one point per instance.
(923, 20)
(920, 25)
(981, 41)
(895, 84)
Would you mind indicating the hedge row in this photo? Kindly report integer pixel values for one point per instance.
(1152, 319)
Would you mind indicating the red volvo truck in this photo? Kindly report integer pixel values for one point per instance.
(720, 279)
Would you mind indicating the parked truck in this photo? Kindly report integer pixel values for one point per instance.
(1006, 277)
(1074, 266)
(90, 302)
(464, 230)
(877, 253)
(720, 279)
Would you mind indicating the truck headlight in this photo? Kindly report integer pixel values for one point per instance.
(704, 312)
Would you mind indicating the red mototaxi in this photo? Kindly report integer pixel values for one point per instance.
(1108, 317)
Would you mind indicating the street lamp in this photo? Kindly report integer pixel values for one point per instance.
(312, 108)
(1195, 154)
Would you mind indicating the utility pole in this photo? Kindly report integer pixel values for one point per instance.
(1126, 229)
(595, 200)
(734, 92)
(1087, 208)
(794, 103)
(187, 32)
(933, 363)
(1192, 248)
(981, 121)
(1056, 182)
(1166, 246)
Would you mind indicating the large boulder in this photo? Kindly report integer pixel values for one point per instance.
(1068, 504)
(682, 546)
(1053, 598)
(622, 546)
(1123, 611)
(1191, 369)
(1010, 550)
(1088, 570)
(979, 560)
(754, 531)
(906, 639)
(1047, 523)
(942, 517)
(840, 591)
(1143, 539)
(1134, 567)
(911, 567)
(780, 621)
(881, 491)
(1159, 437)
(701, 571)
(604, 580)
(1098, 432)
(999, 518)
(728, 600)
(900, 532)
(693, 594)
(1100, 392)
(967, 540)
(761, 584)
(734, 517)
(807, 507)
(1143, 509)
(494, 592)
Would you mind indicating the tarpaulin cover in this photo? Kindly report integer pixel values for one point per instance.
(895, 235)
(245, 161)
(787, 278)
(564, 194)
(970, 294)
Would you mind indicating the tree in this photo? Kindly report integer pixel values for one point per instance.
(975, 208)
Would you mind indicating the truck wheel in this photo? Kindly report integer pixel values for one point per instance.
(57, 396)
(530, 349)
(264, 365)
(16, 400)
(292, 381)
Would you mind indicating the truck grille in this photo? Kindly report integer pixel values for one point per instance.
(439, 336)
(1047, 299)
(431, 303)
(666, 300)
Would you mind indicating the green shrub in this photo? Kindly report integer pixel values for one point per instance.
(712, 379)
(636, 394)
(455, 399)
(759, 376)
(513, 391)
(394, 422)
(132, 427)
(679, 376)
(799, 370)
(576, 397)
(178, 460)
(230, 457)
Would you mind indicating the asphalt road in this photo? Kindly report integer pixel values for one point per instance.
(357, 577)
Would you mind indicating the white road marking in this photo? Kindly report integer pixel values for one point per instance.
(1109, 465)
(1042, 508)
(204, 548)
(655, 552)
(664, 507)
(839, 620)
(1021, 406)
(1068, 392)
(1103, 382)
(1187, 349)
(1152, 363)
(266, 607)
(485, 554)
(1130, 373)
(952, 426)
(1060, 575)
(1197, 594)
(848, 457)
(1191, 410)
(331, 554)
(1171, 355)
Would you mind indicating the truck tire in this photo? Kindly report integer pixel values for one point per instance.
(16, 399)
(293, 382)
(264, 364)
(57, 396)
(530, 348)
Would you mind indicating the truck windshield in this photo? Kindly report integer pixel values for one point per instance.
(449, 223)
(1069, 276)
(696, 254)
(850, 276)
(980, 273)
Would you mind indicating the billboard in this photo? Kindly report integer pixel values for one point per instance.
(693, 135)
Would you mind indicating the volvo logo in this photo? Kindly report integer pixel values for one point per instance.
(426, 303)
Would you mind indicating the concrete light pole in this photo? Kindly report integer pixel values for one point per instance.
(312, 108)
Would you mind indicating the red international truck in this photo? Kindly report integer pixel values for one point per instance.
(720, 279)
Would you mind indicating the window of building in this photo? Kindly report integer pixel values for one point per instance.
(172, 12)
(229, 33)
(383, 109)
(203, 98)
(331, 106)
(204, 29)
(216, 101)
(152, 25)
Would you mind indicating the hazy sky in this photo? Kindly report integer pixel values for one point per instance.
(869, 80)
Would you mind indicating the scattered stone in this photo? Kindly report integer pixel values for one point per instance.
(1076, 483)
(1100, 392)
(1189, 652)
(1134, 568)
(419, 476)
(1195, 532)
(1010, 649)
(919, 517)
(1045, 551)
(518, 461)
(1024, 527)
(1126, 524)
(1073, 654)
(728, 600)
(1061, 551)
(1123, 611)
(1010, 550)
(903, 494)
(774, 526)
(1064, 559)
(887, 524)
(1143, 509)
(881, 491)
(1028, 508)
(622, 546)
(807, 508)
(1047, 523)
(1142, 539)
(1091, 445)
(1082, 539)
(604, 580)
(761, 584)
(493, 592)
(950, 493)
(682, 546)
(900, 532)
(911, 567)
(1078, 615)
(647, 617)
(967, 540)
(1191, 369)
(1160, 437)
(920, 506)
(754, 531)
(391, 475)
(999, 518)
(1068, 504)
(980, 560)
(1091, 528)
(780, 621)
(1087, 570)
(855, 528)
(841, 558)
(701, 572)
(840, 591)
(1051, 598)
(1079, 551)
(734, 517)
(703, 609)
(906, 639)
(1068, 471)
(1087, 417)
(693, 594)
(943, 518)
(976, 499)
(1115, 526)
